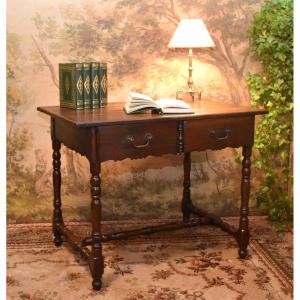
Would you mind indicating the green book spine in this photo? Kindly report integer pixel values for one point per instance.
(87, 102)
(103, 83)
(95, 85)
(71, 85)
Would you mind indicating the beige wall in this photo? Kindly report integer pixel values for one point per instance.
(132, 37)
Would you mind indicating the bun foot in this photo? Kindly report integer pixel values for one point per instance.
(57, 241)
(242, 253)
(97, 285)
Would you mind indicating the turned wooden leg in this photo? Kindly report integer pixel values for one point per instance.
(96, 259)
(243, 231)
(186, 199)
(57, 213)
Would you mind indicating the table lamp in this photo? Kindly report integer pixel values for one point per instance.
(191, 34)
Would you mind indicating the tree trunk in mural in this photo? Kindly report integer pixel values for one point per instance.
(228, 56)
(132, 50)
(237, 85)
(69, 154)
(234, 79)
(75, 184)
(231, 70)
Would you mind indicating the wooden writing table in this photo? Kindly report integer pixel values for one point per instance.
(109, 134)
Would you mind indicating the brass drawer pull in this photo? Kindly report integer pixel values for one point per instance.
(148, 138)
(220, 135)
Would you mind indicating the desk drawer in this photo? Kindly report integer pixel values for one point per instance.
(218, 133)
(137, 140)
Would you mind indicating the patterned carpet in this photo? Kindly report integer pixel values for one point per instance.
(198, 263)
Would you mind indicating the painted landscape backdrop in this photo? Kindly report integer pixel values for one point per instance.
(132, 37)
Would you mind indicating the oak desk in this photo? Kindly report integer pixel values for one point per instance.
(109, 134)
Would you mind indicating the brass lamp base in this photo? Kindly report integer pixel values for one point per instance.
(190, 90)
(192, 94)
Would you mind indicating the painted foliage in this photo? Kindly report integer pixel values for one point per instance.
(132, 37)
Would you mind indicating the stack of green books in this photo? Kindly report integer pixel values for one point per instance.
(83, 85)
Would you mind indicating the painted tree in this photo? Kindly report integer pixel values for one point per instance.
(130, 34)
(42, 61)
(125, 31)
(18, 137)
(228, 23)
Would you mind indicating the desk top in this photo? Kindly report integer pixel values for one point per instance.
(113, 113)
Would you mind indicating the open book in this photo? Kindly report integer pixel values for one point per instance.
(137, 102)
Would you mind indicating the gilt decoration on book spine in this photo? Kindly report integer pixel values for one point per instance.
(95, 85)
(71, 85)
(87, 85)
(103, 83)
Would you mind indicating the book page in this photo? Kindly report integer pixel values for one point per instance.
(175, 103)
(139, 96)
(139, 108)
(137, 103)
(177, 110)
